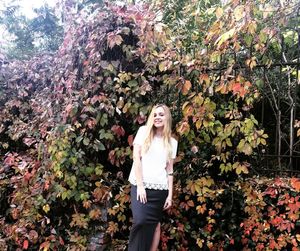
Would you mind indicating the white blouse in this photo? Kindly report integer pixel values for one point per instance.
(153, 162)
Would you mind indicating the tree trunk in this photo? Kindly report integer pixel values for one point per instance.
(278, 129)
(292, 107)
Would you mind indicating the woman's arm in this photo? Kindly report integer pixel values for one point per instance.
(141, 192)
(169, 170)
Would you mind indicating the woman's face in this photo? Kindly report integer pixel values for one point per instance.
(159, 117)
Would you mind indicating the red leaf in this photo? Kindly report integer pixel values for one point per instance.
(118, 130)
(27, 176)
(113, 39)
(236, 87)
(25, 244)
(61, 241)
(29, 141)
(130, 140)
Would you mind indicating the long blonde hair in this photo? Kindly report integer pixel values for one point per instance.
(166, 131)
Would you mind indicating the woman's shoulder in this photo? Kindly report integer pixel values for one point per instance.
(174, 140)
(142, 128)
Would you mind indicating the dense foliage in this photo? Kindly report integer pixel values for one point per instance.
(23, 37)
(68, 121)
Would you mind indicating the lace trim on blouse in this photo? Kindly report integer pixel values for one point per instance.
(153, 186)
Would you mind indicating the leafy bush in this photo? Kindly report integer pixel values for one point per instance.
(67, 126)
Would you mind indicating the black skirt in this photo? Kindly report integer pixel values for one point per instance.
(145, 218)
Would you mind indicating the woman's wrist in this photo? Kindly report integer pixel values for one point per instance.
(140, 184)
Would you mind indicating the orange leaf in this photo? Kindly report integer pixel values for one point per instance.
(45, 246)
(204, 77)
(295, 183)
(221, 88)
(186, 87)
(219, 12)
(183, 128)
(190, 203)
(201, 209)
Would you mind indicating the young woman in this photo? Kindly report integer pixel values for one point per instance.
(152, 178)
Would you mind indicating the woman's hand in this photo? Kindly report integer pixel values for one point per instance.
(141, 194)
(168, 203)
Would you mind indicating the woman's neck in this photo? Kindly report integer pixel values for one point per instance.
(158, 132)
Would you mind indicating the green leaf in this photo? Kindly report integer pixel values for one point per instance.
(86, 141)
(104, 120)
(228, 142)
(132, 83)
(241, 145)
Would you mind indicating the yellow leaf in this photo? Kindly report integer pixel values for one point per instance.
(252, 27)
(198, 100)
(207, 181)
(187, 110)
(219, 12)
(239, 12)
(201, 199)
(247, 149)
(241, 169)
(251, 62)
(205, 123)
(200, 243)
(263, 141)
(224, 37)
(162, 66)
(197, 188)
(46, 208)
(198, 124)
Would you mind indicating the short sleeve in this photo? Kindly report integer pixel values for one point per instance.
(174, 143)
(140, 136)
